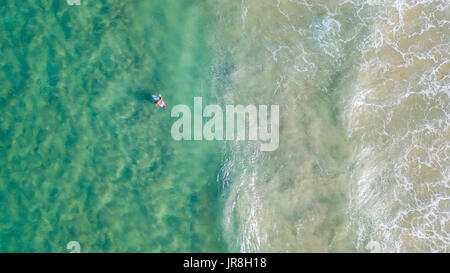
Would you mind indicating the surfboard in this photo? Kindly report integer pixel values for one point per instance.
(162, 104)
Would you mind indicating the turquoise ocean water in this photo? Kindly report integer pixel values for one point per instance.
(85, 155)
(363, 89)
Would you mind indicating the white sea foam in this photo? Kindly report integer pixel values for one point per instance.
(363, 88)
(400, 118)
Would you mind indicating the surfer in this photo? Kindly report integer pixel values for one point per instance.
(159, 101)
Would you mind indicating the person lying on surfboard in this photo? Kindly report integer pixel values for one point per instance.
(159, 101)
